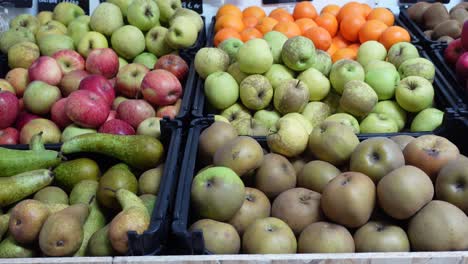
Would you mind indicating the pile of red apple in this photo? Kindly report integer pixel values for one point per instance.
(65, 95)
(457, 54)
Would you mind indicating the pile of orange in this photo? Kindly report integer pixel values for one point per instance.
(337, 30)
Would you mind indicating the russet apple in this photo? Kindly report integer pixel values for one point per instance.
(87, 108)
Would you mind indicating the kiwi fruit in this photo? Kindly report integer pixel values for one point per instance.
(462, 5)
(434, 15)
(416, 11)
(446, 39)
(459, 14)
(449, 28)
(428, 33)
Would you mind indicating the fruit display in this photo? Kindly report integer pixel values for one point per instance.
(115, 71)
(438, 23)
(67, 203)
(337, 194)
(456, 56)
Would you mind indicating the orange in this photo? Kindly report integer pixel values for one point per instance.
(254, 11)
(225, 33)
(320, 36)
(340, 42)
(371, 30)
(280, 14)
(228, 9)
(231, 21)
(250, 33)
(366, 9)
(305, 23)
(345, 53)
(354, 47)
(250, 22)
(350, 26)
(382, 14)
(393, 35)
(351, 9)
(332, 9)
(328, 22)
(304, 9)
(332, 49)
(266, 24)
(290, 29)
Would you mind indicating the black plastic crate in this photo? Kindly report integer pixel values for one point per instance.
(153, 240)
(191, 243)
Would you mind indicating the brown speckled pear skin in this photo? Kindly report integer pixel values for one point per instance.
(26, 220)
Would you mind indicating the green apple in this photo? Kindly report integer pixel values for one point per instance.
(255, 57)
(45, 16)
(14, 36)
(305, 123)
(91, 40)
(278, 73)
(122, 62)
(291, 96)
(209, 60)
(318, 84)
(255, 92)
(27, 21)
(371, 50)
(143, 14)
(358, 98)
(235, 112)
(106, 19)
(184, 15)
(276, 41)
(147, 59)
(344, 71)
(378, 123)
(427, 120)
(323, 63)
(221, 119)
(235, 71)
(51, 28)
(181, 35)
(347, 120)
(52, 43)
(333, 101)
(151, 126)
(231, 47)
(290, 138)
(414, 93)
(78, 28)
(40, 96)
(167, 9)
(22, 55)
(128, 41)
(383, 81)
(66, 12)
(250, 127)
(267, 117)
(417, 67)
(221, 83)
(401, 52)
(73, 130)
(209, 189)
(377, 65)
(316, 112)
(122, 4)
(393, 110)
(156, 41)
(299, 53)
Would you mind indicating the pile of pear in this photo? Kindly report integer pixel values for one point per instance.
(339, 195)
(54, 206)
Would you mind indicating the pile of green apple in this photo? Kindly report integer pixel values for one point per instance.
(130, 27)
(256, 84)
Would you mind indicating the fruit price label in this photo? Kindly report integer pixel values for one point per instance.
(195, 5)
(16, 3)
(48, 5)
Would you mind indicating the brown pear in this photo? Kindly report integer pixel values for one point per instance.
(275, 175)
(434, 15)
(324, 237)
(26, 220)
(214, 137)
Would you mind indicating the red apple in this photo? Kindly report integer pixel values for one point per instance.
(174, 64)
(71, 81)
(103, 61)
(462, 66)
(9, 136)
(117, 127)
(58, 115)
(112, 115)
(23, 118)
(87, 108)
(464, 35)
(18, 78)
(170, 111)
(9, 108)
(20, 105)
(134, 111)
(50, 132)
(113, 81)
(160, 87)
(453, 51)
(99, 85)
(129, 79)
(69, 60)
(45, 69)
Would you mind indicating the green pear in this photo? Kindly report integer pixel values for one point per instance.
(4, 220)
(117, 177)
(14, 36)
(51, 195)
(106, 19)
(52, 43)
(66, 12)
(95, 221)
(149, 200)
(150, 180)
(99, 244)
(70, 173)
(255, 57)
(9, 248)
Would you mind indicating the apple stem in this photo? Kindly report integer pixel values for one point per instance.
(297, 84)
